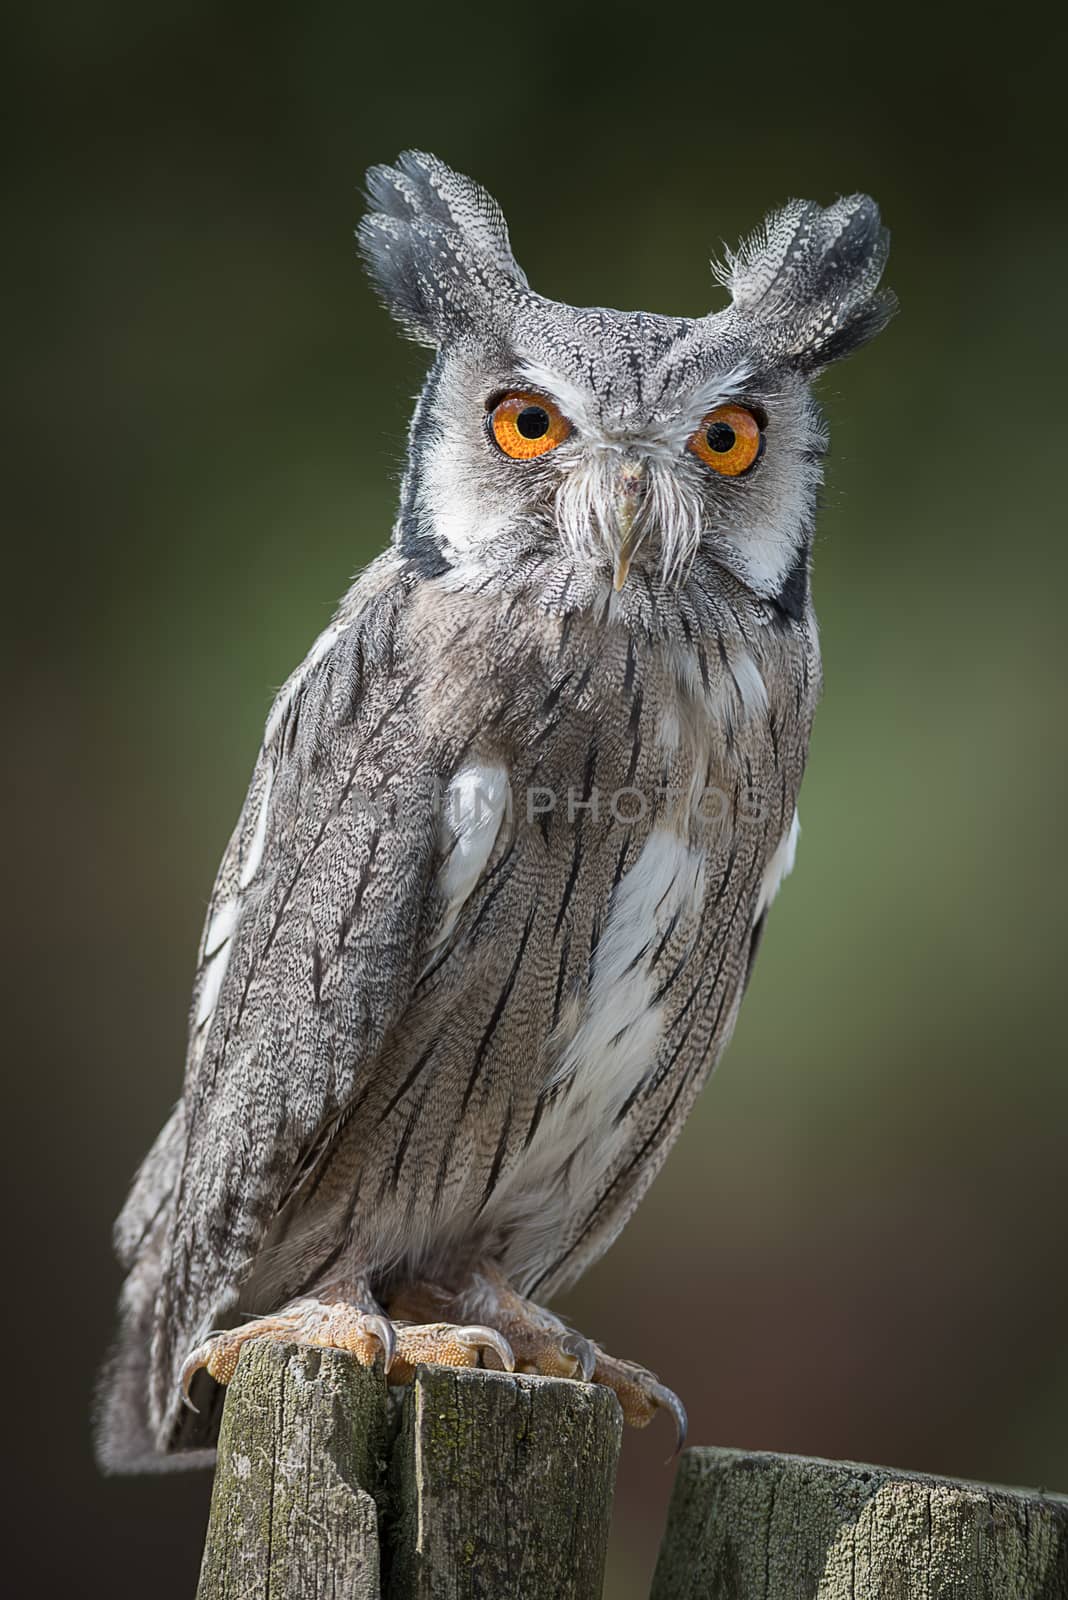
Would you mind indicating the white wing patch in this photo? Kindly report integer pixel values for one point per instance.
(216, 955)
(781, 863)
(254, 855)
(751, 686)
(474, 808)
(220, 930)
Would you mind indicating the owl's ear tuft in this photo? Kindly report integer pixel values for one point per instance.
(435, 244)
(808, 280)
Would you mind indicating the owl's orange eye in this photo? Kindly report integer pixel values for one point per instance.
(526, 425)
(729, 440)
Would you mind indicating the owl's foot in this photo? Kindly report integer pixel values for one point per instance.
(338, 1325)
(334, 1325)
(447, 1344)
(543, 1344)
(640, 1393)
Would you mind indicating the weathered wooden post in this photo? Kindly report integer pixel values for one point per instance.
(503, 1487)
(485, 1485)
(752, 1526)
(293, 1511)
(478, 1484)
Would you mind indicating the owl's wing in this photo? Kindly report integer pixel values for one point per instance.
(308, 957)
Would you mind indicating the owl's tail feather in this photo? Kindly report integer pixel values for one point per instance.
(128, 1437)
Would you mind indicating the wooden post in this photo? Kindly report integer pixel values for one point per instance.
(491, 1485)
(745, 1525)
(503, 1487)
(478, 1484)
(293, 1513)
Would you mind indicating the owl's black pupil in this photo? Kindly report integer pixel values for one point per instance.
(720, 437)
(533, 422)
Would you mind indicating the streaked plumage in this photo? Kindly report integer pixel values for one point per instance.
(444, 1027)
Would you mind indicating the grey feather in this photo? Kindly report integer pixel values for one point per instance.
(810, 276)
(436, 244)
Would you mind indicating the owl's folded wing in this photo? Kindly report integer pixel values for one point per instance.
(309, 955)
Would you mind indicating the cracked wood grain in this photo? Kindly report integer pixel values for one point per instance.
(503, 1487)
(492, 1485)
(293, 1513)
(754, 1526)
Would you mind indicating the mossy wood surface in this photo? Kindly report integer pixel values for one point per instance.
(293, 1513)
(751, 1526)
(503, 1487)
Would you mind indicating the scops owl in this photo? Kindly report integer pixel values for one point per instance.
(487, 916)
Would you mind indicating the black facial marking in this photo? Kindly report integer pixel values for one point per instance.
(424, 557)
(421, 550)
(792, 598)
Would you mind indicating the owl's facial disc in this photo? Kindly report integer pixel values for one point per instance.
(526, 460)
(619, 476)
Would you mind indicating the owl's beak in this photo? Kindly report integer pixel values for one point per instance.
(630, 483)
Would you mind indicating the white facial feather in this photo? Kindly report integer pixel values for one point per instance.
(577, 404)
(673, 505)
(677, 425)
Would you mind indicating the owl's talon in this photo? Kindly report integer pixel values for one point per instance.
(193, 1362)
(386, 1335)
(489, 1339)
(668, 1400)
(682, 1423)
(538, 1342)
(578, 1346)
(640, 1394)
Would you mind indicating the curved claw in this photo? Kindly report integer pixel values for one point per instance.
(581, 1350)
(386, 1335)
(489, 1337)
(196, 1359)
(670, 1401)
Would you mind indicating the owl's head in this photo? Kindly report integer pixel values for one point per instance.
(551, 437)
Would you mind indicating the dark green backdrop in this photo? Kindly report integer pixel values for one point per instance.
(859, 1245)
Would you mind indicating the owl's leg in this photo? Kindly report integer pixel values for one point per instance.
(540, 1341)
(346, 1316)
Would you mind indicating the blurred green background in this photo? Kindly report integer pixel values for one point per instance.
(859, 1246)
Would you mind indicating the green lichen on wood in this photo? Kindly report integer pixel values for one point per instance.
(788, 1528)
(502, 1486)
(499, 1486)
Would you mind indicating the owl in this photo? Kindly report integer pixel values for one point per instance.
(489, 911)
